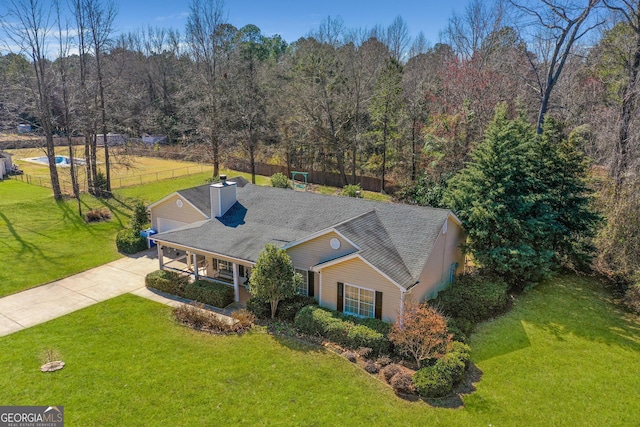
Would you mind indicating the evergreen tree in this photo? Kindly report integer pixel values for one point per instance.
(385, 111)
(273, 277)
(496, 196)
(563, 170)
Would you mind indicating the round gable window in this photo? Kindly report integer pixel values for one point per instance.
(179, 203)
(335, 243)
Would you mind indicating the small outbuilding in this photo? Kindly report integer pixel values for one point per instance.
(5, 164)
(154, 139)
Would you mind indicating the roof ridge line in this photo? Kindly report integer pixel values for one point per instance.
(404, 264)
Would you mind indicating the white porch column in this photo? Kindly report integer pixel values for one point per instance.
(160, 256)
(195, 266)
(236, 282)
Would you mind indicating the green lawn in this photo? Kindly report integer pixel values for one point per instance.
(565, 356)
(42, 240)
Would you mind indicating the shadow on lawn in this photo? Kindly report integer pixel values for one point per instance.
(582, 306)
(69, 215)
(24, 245)
(565, 306)
(116, 206)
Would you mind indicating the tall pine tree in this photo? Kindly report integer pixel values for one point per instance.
(563, 171)
(496, 196)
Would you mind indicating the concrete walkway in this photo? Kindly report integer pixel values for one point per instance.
(55, 299)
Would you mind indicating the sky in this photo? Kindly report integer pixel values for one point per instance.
(294, 19)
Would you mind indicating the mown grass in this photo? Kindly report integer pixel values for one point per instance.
(42, 239)
(564, 356)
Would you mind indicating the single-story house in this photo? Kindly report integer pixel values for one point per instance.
(112, 139)
(357, 256)
(5, 164)
(154, 139)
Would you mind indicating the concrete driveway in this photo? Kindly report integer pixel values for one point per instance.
(55, 299)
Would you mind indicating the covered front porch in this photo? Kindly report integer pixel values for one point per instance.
(202, 265)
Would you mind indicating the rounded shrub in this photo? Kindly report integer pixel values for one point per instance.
(384, 360)
(402, 383)
(260, 308)
(456, 332)
(130, 241)
(279, 180)
(433, 382)
(473, 298)
(364, 336)
(167, 281)
(453, 364)
(351, 190)
(371, 367)
(390, 370)
(287, 308)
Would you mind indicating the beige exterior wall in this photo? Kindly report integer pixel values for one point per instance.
(168, 209)
(315, 251)
(358, 273)
(435, 274)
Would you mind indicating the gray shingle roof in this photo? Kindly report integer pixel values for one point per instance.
(200, 198)
(397, 239)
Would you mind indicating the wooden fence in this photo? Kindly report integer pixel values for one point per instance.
(331, 179)
(201, 154)
(38, 142)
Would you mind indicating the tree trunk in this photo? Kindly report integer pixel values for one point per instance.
(413, 150)
(252, 162)
(621, 160)
(215, 147)
(384, 154)
(53, 169)
(87, 164)
(544, 106)
(103, 118)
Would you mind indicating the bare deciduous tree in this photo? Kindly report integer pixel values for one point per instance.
(205, 35)
(629, 10)
(559, 25)
(28, 26)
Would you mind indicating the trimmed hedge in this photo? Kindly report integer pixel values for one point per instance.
(348, 331)
(130, 241)
(167, 281)
(287, 308)
(472, 299)
(215, 294)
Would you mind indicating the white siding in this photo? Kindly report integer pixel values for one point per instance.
(223, 196)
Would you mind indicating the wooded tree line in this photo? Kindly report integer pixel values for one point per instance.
(354, 101)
